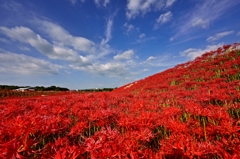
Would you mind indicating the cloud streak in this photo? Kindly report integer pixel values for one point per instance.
(103, 2)
(108, 30)
(26, 65)
(202, 16)
(163, 18)
(219, 36)
(26, 35)
(136, 7)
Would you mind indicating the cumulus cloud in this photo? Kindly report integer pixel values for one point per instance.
(60, 36)
(26, 65)
(56, 43)
(112, 69)
(163, 18)
(26, 35)
(127, 55)
(118, 66)
(192, 53)
(219, 36)
(78, 53)
(136, 7)
(92, 61)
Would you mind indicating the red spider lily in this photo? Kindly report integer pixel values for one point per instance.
(189, 111)
(71, 152)
(11, 149)
(78, 128)
(106, 143)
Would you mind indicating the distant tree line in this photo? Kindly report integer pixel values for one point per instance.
(37, 88)
(97, 90)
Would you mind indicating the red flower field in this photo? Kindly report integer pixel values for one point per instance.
(189, 111)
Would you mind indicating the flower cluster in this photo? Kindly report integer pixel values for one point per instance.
(189, 111)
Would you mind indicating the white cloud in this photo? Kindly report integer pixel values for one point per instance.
(12, 6)
(104, 2)
(80, 45)
(163, 18)
(169, 3)
(79, 53)
(97, 2)
(62, 37)
(142, 35)
(26, 65)
(24, 48)
(136, 7)
(118, 66)
(201, 23)
(112, 69)
(129, 27)
(202, 15)
(160, 61)
(219, 36)
(192, 53)
(150, 58)
(4, 40)
(26, 35)
(141, 40)
(91, 62)
(145, 70)
(238, 34)
(108, 31)
(125, 55)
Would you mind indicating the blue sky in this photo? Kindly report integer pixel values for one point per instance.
(82, 44)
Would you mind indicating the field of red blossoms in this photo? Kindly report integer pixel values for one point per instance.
(189, 111)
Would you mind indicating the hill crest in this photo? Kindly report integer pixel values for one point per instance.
(212, 66)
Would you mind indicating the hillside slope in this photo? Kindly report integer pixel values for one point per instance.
(189, 111)
(221, 65)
